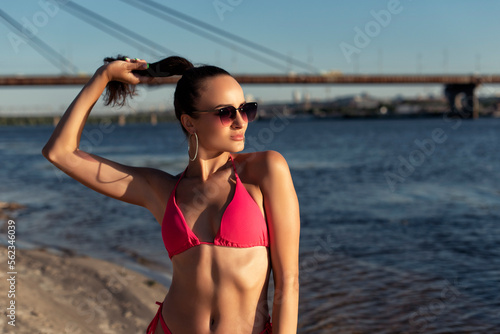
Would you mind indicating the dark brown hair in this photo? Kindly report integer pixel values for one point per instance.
(187, 90)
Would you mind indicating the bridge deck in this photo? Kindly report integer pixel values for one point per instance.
(66, 80)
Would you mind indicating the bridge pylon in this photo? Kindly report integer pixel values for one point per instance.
(462, 100)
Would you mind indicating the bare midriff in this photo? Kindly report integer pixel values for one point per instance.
(217, 289)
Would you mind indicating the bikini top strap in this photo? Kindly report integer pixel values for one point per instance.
(234, 166)
(179, 180)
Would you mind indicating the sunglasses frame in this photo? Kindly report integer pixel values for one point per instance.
(233, 111)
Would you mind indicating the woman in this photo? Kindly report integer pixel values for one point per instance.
(226, 220)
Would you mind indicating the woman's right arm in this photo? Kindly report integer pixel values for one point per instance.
(136, 185)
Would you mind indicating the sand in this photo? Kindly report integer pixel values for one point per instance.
(57, 292)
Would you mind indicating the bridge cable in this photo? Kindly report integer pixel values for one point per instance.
(123, 33)
(116, 30)
(207, 35)
(247, 43)
(41, 47)
(228, 35)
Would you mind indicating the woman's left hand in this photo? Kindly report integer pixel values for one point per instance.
(121, 70)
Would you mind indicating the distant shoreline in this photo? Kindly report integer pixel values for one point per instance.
(168, 118)
(93, 119)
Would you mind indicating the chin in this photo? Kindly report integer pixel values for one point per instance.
(237, 147)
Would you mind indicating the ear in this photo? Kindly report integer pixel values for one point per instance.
(187, 123)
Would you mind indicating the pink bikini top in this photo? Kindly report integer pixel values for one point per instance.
(242, 224)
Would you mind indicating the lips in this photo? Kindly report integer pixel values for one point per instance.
(238, 137)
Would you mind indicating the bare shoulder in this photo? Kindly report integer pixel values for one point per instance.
(260, 166)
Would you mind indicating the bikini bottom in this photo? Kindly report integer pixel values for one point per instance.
(158, 317)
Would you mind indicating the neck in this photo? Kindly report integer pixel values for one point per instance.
(202, 167)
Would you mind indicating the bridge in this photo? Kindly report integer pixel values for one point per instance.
(342, 79)
(459, 89)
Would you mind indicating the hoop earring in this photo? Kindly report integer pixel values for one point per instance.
(196, 152)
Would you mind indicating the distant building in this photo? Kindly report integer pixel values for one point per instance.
(360, 101)
(408, 109)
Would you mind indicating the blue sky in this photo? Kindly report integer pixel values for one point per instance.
(446, 36)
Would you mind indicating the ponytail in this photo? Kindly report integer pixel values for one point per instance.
(117, 92)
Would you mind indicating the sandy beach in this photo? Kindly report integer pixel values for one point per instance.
(59, 292)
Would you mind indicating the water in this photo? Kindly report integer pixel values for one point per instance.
(400, 218)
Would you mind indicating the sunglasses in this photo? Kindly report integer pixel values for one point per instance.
(227, 114)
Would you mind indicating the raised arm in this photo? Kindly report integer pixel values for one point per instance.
(282, 212)
(134, 185)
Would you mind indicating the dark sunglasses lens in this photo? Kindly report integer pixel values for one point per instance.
(227, 114)
(250, 109)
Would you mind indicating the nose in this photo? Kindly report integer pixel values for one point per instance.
(238, 121)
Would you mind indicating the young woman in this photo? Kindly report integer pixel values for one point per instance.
(226, 221)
